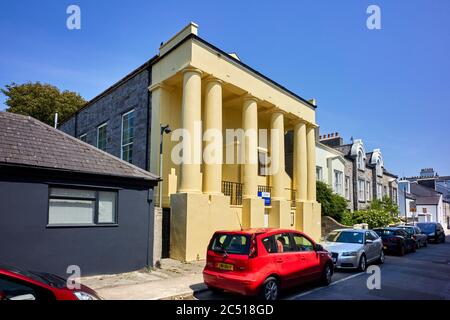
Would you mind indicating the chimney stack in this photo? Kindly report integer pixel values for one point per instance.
(331, 139)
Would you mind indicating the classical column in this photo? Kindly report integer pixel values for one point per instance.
(191, 178)
(311, 149)
(277, 155)
(250, 126)
(300, 161)
(212, 175)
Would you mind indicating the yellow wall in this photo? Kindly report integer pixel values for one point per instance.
(196, 216)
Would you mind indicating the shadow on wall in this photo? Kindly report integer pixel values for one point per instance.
(329, 224)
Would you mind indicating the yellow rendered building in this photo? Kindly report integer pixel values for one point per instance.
(194, 83)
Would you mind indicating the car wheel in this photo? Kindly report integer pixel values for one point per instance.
(327, 275)
(362, 263)
(402, 250)
(381, 258)
(413, 247)
(425, 243)
(269, 289)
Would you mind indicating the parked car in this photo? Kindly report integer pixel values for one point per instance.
(396, 240)
(264, 261)
(433, 230)
(16, 284)
(354, 248)
(416, 233)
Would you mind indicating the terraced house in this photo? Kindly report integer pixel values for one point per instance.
(191, 82)
(365, 177)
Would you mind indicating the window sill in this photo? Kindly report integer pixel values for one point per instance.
(104, 225)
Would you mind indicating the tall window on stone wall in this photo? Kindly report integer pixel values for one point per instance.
(347, 188)
(126, 152)
(379, 191)
(101, 136)
(368, 193)
(361, 187)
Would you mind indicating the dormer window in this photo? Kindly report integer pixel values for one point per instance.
(360, 160)
(379, 169)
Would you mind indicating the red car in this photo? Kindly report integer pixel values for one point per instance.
(263, 261)
(17, 284)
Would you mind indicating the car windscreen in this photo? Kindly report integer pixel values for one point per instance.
(42, 277)
(427, 227)
(345, 237)
(385, 232)
(231, 243)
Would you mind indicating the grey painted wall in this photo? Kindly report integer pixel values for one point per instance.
(27, 243)
(132, 94)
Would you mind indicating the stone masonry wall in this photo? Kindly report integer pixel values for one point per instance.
(131, 95)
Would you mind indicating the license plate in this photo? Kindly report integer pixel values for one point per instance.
(224, 266)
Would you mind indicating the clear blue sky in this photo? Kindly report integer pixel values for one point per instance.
(389, 87)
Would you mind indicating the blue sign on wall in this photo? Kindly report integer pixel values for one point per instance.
(265, 196)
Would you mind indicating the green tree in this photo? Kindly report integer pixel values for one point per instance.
(41, 101)
(381, 213)
(333, 205)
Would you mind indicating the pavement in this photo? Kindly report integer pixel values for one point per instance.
(173, 279)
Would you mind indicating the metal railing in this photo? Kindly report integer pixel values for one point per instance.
(264, 189)
(293, 193)
(234, 191)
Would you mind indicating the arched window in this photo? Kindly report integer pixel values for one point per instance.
(379, 168)
(360, 160)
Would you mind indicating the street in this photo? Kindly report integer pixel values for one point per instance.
(424, 275)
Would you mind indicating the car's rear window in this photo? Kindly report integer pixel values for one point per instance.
(409, 230)
(427, 227)
(385, 232)
(231, 243)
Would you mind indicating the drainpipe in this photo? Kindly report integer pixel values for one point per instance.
(149, 107)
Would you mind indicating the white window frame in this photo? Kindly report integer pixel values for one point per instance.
(319, 173)
(104, 124)
(347, 187)
(361, 191)
(368, 193)
(121, 134)
(84, 135)
(338, 175)
(360, 160)
(379, 191)
(379, 169)
(394, 194)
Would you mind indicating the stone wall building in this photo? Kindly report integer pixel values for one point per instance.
(370, 179)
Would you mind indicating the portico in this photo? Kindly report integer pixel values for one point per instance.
(202, 91)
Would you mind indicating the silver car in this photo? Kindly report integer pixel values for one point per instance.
(354, 248)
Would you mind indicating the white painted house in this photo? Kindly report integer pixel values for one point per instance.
(330, 168)
(428, 202)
